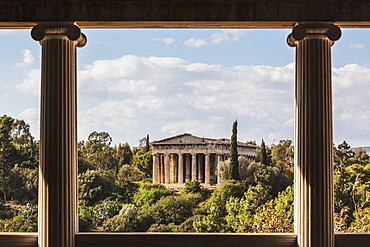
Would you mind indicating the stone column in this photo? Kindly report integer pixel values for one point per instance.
(58, 133)
(167, 169)
(207, 169)
(219, 160)
(314, 206)
(193, 167)
(175, 168)
(156, 169)
(187, 168)
(200, 164)
(180, 179)
(161, 167)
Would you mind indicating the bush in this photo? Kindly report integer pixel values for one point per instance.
(93, 187)
(173, 209)
(24, 221)
(148, 195)
(125, 221)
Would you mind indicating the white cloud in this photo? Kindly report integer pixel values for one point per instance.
(163, 96)
(133, 96)
(166, 41)
(30, 84)
(227, 36)
(195, 43)
(357, 46)
(28, 58)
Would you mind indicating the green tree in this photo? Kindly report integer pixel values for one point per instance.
(149, 194)
(264, 158)
(223, 171)
(94, 186)
(359, 157)
(343, 153)
(144, 162)
(125, 221)
(21, 132)
(147, 144)
(173, 209)
(130, 173)
(283, 155)
(123, 154)
(24, 221)
(7, 154)
(234, 165)
(98, 152)
(211, 215)
(239, 216)
(192, 187)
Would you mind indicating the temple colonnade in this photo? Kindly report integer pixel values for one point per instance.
(184, 158)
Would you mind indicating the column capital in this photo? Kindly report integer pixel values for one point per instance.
(313, 30)
(52, 30)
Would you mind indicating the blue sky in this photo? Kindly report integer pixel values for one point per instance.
(132, 82)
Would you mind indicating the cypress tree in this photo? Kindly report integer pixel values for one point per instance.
(234, 164)
(147, 144)
(264, 159)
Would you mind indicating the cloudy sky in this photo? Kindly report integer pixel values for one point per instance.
(167, 82)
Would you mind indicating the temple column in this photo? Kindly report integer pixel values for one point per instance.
(314, 207)
(57, 223)
(207, 169)
(167, 169)
(180, 179)
(219, 160)
(156, 169)
(187, 168)
(200, 164)
(163, 170)
(175, 168)
(193, 167)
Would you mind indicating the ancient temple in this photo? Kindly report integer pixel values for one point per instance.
(184, 158)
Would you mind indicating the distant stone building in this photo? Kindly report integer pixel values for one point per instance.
(184, 158)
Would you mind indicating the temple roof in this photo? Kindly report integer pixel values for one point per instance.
(187, 138)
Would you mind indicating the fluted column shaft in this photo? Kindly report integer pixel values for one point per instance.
(163, 169)
(193, 167)
(187, 168)
(156, 169)
(219, 160)
(181, 169)
(314, 200)
(207, 169)
(167, 169)
(175, 168)
(58, 134)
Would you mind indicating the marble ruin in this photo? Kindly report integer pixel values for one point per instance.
(184, 158)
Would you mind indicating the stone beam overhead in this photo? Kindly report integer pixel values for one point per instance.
(184, 13)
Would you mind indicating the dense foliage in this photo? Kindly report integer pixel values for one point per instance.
(116, 193)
